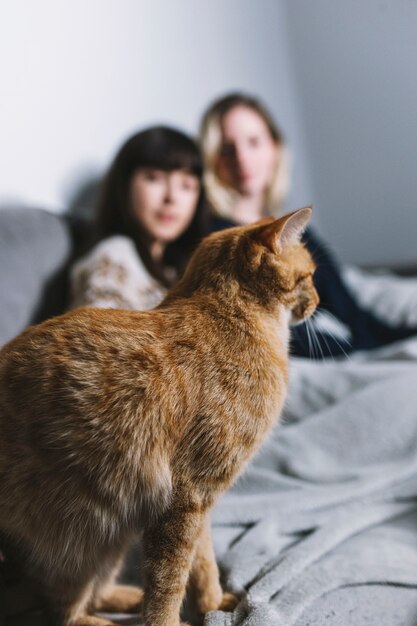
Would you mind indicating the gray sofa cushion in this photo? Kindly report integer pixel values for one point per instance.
(34, 250)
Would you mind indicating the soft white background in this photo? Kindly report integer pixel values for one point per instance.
(77, 78)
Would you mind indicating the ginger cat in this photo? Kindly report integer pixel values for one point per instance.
(115, 423)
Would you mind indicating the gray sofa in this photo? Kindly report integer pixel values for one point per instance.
(36, 248)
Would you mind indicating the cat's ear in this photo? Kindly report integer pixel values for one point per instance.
(285, 230)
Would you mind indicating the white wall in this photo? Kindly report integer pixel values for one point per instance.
(78, 77)
(355, 68)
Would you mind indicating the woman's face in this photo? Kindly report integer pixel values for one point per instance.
(248, 152)
(163, 202)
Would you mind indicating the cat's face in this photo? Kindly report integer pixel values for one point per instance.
(264, 263)
(301, 297)
(286, 266)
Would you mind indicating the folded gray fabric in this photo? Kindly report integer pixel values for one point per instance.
(330, 501)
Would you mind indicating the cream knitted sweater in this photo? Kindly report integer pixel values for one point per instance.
(112, 275)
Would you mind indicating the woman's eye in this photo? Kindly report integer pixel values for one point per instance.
(190, 184)
(153, 175)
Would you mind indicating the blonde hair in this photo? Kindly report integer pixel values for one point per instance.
(222, 198)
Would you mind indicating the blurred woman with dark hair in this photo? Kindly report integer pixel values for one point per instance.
(150, 216)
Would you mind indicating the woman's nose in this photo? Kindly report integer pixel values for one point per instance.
(169, 194)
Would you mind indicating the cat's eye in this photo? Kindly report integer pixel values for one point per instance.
(303, 278)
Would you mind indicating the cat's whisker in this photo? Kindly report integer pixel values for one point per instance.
(310, 348)
(316, 338)
(323, 336)
(335, 339)
(346, 354)
(336, 320)
(316, 344)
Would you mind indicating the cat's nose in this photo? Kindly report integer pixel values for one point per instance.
(310, 305)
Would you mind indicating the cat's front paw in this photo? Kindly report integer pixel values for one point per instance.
(121, 599)
(216, 602)
(229, 602)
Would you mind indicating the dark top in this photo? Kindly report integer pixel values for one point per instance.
(366, 329)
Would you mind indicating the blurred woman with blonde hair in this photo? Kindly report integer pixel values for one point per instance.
(246, 159)
(246, 178)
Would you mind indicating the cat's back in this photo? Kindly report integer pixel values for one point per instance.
(105, 362)
(84, 333)
(80, 348)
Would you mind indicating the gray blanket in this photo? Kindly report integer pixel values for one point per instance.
(330, 501)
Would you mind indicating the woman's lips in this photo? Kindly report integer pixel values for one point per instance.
(167, 218)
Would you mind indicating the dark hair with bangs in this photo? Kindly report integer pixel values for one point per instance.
(158, 147)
